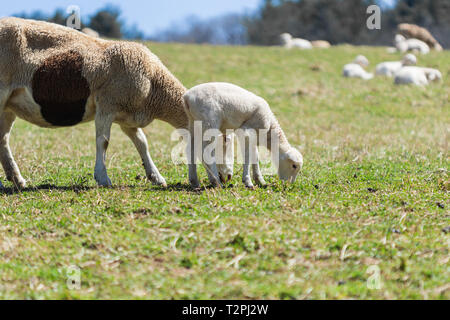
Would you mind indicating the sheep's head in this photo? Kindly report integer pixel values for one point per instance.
(291, 162)
(399, 38)
(285, 38)
(362, 61)
(225, 166)
(409, 60)
(433, 75)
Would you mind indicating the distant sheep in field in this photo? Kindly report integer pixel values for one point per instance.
(90, 32)
(403, 45)
(413, 31)
(356, 69)
(224, 106)
(320, 44)
(390, 68)
(54, 76)
(417, 75)
(288, 42)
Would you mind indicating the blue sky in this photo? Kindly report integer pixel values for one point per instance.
(150, 16)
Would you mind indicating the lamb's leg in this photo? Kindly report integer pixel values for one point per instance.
(137, 136)
(256, 171)
(103, 123)
(246, 171)
(211, 168)
(193, 176)
(9, 165)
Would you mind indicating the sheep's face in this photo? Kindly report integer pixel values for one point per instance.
(362, 61)
(225, 167)
(285, 38)
(409, 60)
(290, 165)
(434, 75)
(399, 38)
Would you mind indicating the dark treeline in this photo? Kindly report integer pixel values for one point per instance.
(338, 21)
(344, 21)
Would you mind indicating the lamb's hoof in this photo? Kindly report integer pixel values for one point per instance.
(158, 181)
(20, 183)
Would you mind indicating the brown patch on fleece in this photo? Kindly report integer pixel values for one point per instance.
(61, 90)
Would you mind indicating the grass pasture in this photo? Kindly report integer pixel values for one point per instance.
(373, 195)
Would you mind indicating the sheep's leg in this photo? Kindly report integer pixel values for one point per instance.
(139, 140)
(103, 123)
(246, 170)
(9, 165)
(256, 170)
(193, 176)
(211, 168)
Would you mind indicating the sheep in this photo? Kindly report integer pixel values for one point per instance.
(413, 31)
(224, 106)
(91, 32)
(403, 45)
(54, 76)
(390, 68)
(320, 44)
(288, 42)
(418, 76)
(356, 69)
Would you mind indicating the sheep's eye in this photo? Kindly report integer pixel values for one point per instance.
(295, 167)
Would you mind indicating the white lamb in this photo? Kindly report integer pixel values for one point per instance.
(289, 42)
(356, 69)
(417, 75)
(403, 45)
(224, 106)
(390, 68)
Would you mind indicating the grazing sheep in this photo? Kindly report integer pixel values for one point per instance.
(390, 68)
(403, 45)
(320, 44)
(417, 75)
(224, 106)
(54, 76)
(288, 42)
(414, 31)
(90, 32)
(356, 69)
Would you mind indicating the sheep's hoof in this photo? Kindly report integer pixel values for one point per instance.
(104, 183)
(19, 182)
(252, 187)
(158, 181)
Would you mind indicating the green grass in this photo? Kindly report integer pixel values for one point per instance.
(373, 191)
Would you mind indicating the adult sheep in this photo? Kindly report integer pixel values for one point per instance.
(54, 76)
(414, 31)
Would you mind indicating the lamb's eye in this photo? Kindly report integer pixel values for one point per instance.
(294, 166)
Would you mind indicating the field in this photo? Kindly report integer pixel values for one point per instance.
(368, 217)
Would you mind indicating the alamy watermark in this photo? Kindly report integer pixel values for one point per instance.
(74, 19)
(374, 20)
(73, 274)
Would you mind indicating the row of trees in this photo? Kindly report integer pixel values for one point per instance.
(338, 21)
(344, 21)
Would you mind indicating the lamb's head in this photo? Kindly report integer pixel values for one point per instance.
(225, 165)
(409, 60)
(285, 38)
(291, 162)
(433, 74)
(399, 38)
(362, 61)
